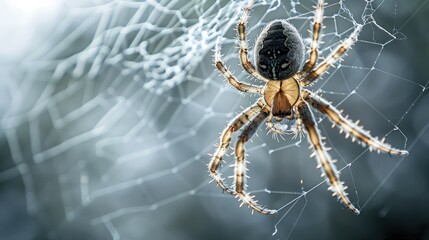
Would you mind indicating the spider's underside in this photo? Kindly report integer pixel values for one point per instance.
(284, 96)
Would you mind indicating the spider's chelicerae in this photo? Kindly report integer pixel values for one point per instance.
(279, 56)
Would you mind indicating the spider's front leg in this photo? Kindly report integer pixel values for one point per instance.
(244, 51)
(333, 57)
(324, 160)
(225, 139)
(349, 127)
(240, 165)
(317, 26)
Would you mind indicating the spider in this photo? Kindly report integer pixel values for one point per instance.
(279, 57)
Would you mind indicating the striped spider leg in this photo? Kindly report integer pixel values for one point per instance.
(324, 160)
(243, 87)
(350, 128)
(314, 52)
(240, 166)
(244, 51)
(225, 139)
(332, 58)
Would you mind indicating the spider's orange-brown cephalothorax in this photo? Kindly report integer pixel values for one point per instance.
(279, 56)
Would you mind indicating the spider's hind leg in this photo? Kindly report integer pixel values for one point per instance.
(225, 139)
(324, 160)
(240, 166)
(350, 128)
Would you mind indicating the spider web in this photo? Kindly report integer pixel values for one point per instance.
(113, 116)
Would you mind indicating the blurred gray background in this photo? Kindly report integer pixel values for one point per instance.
(109, 110)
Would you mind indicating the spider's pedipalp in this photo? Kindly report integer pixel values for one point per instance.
(328, 168)
(239, 121)
(240, 166)
(349, 127)
(272, 128)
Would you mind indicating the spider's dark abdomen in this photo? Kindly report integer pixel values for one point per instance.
(279, 51)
